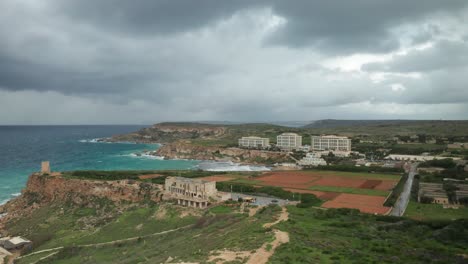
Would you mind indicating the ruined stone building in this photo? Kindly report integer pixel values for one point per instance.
(191, 192)
(45, 167)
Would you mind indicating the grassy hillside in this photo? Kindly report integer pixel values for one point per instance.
(316, 236)
(345, 236)
(390, 127)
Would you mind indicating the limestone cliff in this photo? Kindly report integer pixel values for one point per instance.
(42, 189)
(184, 150)
(170, 132)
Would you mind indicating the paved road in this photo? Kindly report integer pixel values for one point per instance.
(261, 201)
(402, 202)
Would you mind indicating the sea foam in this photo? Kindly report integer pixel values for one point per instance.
(230, 166)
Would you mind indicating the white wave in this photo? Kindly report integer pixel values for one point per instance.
(230, 166)
(145, 156)
(93, 140)
(16, 194)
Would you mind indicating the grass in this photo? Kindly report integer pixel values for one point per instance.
(232, 231)
(361, 175)
(349, 190)
(434, 212)
(221, 209)
(346, 236)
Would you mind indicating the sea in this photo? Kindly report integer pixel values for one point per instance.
(22, 148)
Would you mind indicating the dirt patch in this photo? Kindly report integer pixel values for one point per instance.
(161, 213)
(221, 256)
(370, 184)
(365, 203)
(284, 216)
(262, 255)
(149, 176)
(218, 178)
(253, 210)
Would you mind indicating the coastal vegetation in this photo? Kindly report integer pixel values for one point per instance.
(316, 235)
(346, 236)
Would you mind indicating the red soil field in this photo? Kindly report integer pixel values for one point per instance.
(337, 181)
(291, 179)
(304, 180)
(218, 178)
(386, 185)
(365, 203)
(149, 176)
(370, 184)
(321, 195)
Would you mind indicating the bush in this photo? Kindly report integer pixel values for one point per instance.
(309, 200)
(426, 200)
(396, 191)
(352, 168)
(442, 163)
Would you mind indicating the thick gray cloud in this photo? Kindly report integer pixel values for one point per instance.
(148, 16)
(148, 61)
(357, 26)
(444, 55)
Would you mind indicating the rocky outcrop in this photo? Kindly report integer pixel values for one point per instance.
(42, 189)
(183, 150)
(170, 132)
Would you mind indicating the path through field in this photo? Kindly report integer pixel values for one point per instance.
(262, 254)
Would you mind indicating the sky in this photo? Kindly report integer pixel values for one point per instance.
(148, 61)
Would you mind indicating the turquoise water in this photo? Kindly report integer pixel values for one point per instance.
(22, 148)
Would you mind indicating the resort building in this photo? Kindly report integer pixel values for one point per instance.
(312, 159)
(331, 142)
(254, 142)
(289, 141)
(190, 192)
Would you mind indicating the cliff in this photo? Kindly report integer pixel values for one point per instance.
(41, 190)
(170, 132)
(183, 150)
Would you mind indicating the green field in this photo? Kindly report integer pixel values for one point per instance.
(209, 232)
(349, 190)
(316, 236)
(434, 212)
(345, 236)
(361, 175)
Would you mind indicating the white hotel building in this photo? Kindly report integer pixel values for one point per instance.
(289, 141)
(334, 143)
(254, 142)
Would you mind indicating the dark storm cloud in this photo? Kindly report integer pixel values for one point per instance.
(444, 55)
(354, 26)
(332, 26)
(212, 59)
(151, 16)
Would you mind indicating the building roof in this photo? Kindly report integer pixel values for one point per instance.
(289, 134)
(18, 240)
(253, 137)
(332, 136)
(189, 180)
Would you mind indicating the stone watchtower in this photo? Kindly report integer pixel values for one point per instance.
(45, 167)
